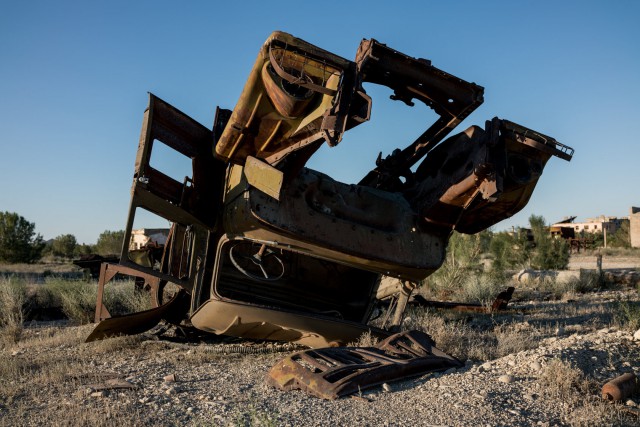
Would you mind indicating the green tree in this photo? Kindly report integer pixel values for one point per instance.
(64, 245)
(621, 238)
(84, 249)
(462, 260)
(510, 250)
(549, 253)
(109, 242)
(18, 240)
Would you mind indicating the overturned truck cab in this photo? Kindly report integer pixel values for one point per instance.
(263, 247)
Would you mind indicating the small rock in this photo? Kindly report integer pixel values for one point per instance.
(190, 409)
(486, 367)
(511, 363)
(97, 394)
(636, 335)
(630, 403)
(171, 378)
(386, 387)
(536, 366)
(170, 391)
(559, 331)
(506, 379)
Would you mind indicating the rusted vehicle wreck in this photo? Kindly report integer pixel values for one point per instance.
(263, 247)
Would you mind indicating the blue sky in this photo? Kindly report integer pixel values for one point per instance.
(74, 78)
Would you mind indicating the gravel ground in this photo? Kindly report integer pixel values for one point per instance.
(211, 389)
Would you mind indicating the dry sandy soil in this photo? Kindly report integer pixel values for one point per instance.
(543, 365)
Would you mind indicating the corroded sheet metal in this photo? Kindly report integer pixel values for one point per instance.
(375, 229)
(331, 373)
(287, 103)
(479, 177)
(228, 318)
(141, 321)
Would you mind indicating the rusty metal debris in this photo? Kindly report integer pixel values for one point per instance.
(263, 247)
(107, 381)
(331, 373)
(499, 303)
(620, 387)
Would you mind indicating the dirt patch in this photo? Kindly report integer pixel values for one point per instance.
(542, 363)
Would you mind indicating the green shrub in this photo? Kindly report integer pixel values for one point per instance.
(77, 298)
(627, 315)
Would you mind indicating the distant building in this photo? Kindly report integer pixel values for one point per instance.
(603, 223)
(563, 229)
(634, 227)
(148, 236)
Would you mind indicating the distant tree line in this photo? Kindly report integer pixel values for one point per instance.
(19, 243)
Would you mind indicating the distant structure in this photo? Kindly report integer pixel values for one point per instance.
(634, 227)
(600, 224)
(564, 229)
(148, 236)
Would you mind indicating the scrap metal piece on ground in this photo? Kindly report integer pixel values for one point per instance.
(105, 381)
(620, 387)
(112, 384)
(500, 303)
(336, 372)
(141, 321)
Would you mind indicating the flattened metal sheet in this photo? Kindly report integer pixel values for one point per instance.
(331, 373)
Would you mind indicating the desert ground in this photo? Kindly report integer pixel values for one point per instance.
(542, 362)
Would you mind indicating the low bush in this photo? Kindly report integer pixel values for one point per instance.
(561, 378)
(627, 315)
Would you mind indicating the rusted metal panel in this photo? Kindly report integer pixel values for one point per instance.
(363, 226)
(286, 102)
(479, 177)
(135, 323)
(250, 321)
(264, 177)
(331, 373)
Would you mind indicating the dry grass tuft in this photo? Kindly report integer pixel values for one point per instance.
(561, 379)
(367, 339)
(77, 298)
(13, 299)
